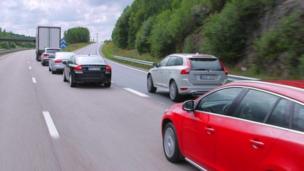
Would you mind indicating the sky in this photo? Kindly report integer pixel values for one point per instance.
(99, 16)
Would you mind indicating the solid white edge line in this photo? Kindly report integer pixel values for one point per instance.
(241, 77)
(136, 92)
(195, 164)
(50, 125)
(126, 66)
(34, 80)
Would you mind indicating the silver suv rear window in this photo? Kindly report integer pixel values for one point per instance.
(212, 64)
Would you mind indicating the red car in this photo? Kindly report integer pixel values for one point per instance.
(241, 126)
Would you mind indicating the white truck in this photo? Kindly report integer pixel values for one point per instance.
(47, 37)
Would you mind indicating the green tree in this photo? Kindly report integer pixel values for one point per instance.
(142, 36)
(284, 43)
(120, 32)
(77, 35)
(162, 42)
(225, 34)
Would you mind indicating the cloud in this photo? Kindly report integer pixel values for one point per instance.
(23, 16)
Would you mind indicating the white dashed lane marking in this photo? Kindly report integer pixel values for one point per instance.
(50, 125)
(136, 92)
(34, 80)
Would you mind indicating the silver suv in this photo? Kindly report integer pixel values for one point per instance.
(184, 74)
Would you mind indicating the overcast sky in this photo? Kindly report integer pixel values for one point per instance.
(23, 16)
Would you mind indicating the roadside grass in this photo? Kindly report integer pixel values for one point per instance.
(250, 73)
(109, 50)
(75, 46)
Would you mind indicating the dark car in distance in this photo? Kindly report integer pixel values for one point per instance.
(82, 69)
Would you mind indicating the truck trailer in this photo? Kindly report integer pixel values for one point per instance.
(47, 37)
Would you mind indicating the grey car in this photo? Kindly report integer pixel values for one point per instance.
(56, 64)
(184, 74)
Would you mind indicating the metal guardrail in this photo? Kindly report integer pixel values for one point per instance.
(18, 39)
(149, 63)
(134, 60)
(5, 51)
(237, 77)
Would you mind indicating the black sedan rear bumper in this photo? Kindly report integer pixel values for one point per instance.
(92, 78)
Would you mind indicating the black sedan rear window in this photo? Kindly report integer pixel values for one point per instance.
(206, 64)
(90, 61)
(52, 50)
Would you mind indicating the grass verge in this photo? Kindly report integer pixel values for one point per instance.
(251, 73)
(75, 46)
(109, 50)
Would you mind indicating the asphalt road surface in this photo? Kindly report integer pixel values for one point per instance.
(47, 126)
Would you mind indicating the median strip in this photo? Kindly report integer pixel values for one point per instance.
(50, 125)
(136, 92)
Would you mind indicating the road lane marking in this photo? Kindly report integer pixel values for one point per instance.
(30, 68)
(50, 125)
(136, 92)
(125, 66)
(34, 80)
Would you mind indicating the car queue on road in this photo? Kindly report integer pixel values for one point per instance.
(247, 125)
(77, 69)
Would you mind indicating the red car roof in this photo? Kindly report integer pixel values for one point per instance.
(291, 89)
(294, 83)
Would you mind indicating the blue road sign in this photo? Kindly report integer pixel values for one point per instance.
(63, 44)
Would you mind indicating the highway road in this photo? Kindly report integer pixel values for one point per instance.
(46, 125)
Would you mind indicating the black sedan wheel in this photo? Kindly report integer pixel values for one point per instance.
(72, 82)
(107, 84)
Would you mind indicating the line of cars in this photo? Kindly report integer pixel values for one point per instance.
(77, 69)
(245, 125)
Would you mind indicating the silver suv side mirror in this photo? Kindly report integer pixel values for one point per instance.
(156, 65)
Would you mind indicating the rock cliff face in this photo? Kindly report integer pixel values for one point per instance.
(268, 21)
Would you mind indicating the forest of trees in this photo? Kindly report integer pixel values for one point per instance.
(77, 35)
(229, 29)
(11, 44)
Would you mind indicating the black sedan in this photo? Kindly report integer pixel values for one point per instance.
(87, 69)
